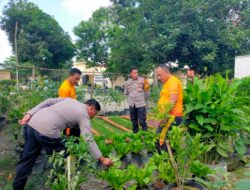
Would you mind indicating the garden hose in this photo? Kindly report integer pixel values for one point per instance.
(165, 129)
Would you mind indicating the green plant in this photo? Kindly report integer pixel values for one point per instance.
(155, 93)
(116, 177)
(106, 149)
(187, 150)
(164, 167)
(143, 176)
(76, 153)
(210, 110)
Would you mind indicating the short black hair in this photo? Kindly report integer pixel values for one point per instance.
(74, 71)
(93, 102)
(133, 68)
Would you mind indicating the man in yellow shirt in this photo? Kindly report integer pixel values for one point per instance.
(171, 96)
(67, 90)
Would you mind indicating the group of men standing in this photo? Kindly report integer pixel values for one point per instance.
(44, 124)
(137, 90)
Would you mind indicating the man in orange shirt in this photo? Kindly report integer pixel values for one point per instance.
(171, 97)
(67, 90)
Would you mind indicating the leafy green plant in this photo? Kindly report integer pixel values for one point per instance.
(76, 153)
(155, 93)
(143, 176)
(116, 177)
(164, 167)
(187, 150)
(106, 149)
(210, 110)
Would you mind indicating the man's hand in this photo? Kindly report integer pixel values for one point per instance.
(106, 161)
(25, 119)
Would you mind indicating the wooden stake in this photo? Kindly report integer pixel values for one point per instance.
(17, 77)
(68, 167)
(175, 166)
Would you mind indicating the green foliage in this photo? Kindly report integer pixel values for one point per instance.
(116, 177)
(16, 102)
(243, 98)
(205, 35)
(187, 151)
(242, 184)
(78, 152)
(155, 93)
(164, 167)
(243, 92)
(92, 37)
(210, 110)
(105, 149)
(107, 96)
(40, 39)
(143, 176)
(199, 169)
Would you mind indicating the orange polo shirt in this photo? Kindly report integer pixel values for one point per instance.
(67, 90)
(172, 86)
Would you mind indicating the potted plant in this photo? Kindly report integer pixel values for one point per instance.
(184, 158)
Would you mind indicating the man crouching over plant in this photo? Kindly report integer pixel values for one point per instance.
(43, 127)
(170, 101)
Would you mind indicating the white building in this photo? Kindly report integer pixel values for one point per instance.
(242, 66)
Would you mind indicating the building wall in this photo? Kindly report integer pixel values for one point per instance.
(119, 81)
(96, 73)
(5, 75)
(242, 66)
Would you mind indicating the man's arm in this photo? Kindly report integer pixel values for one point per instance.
(173, 93)
(86, 133)
(173, 99)
(45, 104)
(126, 88)
(146, 88)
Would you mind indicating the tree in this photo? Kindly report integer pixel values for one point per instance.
(205, 35)
(40, 39)
(92, 42)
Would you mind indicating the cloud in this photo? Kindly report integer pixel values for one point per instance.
(5, 49)
(83, 8)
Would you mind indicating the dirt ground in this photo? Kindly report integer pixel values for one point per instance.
(8, 161)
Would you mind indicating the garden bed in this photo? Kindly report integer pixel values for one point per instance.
(103, 127)
(121, 121)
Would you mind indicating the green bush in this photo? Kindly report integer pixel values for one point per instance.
(210, 109)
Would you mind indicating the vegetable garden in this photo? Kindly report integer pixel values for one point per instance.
(209, 149)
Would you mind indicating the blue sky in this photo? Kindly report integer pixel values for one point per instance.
(68, 13)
